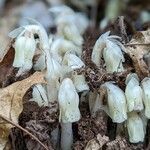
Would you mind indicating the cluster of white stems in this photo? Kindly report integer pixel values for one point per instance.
(60, 56)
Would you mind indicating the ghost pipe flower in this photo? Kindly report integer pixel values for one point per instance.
(135, 128)
(39, 95)
(62, 10)
(54, 73)
(133, 93)
(79, 82)
(112, 11)
(30, 30)
(60, 46)
(69, 111)
(113, 57)
(146, 96)
(116, 102)
(73, 62)
(68, 14)
(110, 48)
(69, 31)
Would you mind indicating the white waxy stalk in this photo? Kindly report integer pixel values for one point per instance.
(92, 95)
(54, 73)
(113, 57)
(68, 100)
(80, 83)
(109, 43)
(116, 102)
(19, 51)
(134, 93)
(60, 46)
(39, 95)
(135, 128)
(146, 96)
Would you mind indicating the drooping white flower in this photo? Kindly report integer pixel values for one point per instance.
(60, 46)
(116, 102)
(80, 83)
(68, 100)
(110, 48)
(29, 50)
(135, 128)
(19, 51)
(29, 45)
(133, 92)
(69, 31)
(113, 57)
(146, 96)
(72, 61)
(39, 95)
(62, 10)
(69, 15)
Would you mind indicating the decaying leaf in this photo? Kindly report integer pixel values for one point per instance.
(97, 144)
(11, 102)
(6, 60)
(137, 49)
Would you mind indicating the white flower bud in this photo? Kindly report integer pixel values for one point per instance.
(80, 83)
(72, 61)
(39, 95)
(116, 102)
(135, 128)
(19, 51)
(29, 50)
(146, 96)
(134, 94)
(69, 31)
(113, 57)
(110, 48)
(68, 102)
(54, 69)
(60, 46)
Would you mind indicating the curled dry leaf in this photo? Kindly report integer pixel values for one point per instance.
(11, 102)
(97, 144)
(6, 60)
(136, 49)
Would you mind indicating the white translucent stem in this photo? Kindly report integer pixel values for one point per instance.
(55, 134)
(19, 59)
(52, 90)
(66, 136)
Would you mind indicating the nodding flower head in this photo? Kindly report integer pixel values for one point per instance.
(116, 102)
(134, 93)
(146, 96)
(68, 102)
(110, 48)
(135, 128)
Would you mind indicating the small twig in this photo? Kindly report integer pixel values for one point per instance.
(132, 44)
(24, 130)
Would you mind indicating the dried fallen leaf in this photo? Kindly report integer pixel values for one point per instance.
(6, 61)
(11, 103)
(137, 51)
(97, 143)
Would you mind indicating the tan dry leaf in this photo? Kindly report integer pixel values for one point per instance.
(11, 102)
(97, 143)
(137, 52)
